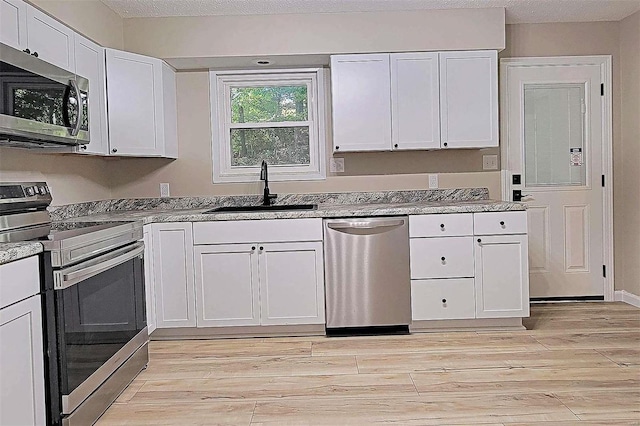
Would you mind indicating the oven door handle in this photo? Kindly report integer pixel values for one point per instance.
(64, 278)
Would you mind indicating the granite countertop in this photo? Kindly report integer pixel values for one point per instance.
(14, 251)
(323, 211)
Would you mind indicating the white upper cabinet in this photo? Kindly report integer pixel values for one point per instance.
(90, 64)
(469, 99)
(50, 40)
(141, 94)
(415, 107)
(360, 88)
(13, 23)
(419, 100)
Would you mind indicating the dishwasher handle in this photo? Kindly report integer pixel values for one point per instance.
(366, 224)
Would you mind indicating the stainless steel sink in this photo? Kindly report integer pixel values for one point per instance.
(262, 208)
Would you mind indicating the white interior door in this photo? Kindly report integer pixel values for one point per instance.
(554, 137)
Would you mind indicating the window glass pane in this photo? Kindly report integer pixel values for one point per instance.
(554, 135)
(268, 104)
(276, 145)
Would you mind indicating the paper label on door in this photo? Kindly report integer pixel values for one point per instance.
(576, 156)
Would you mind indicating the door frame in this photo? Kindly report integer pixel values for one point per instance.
(604, 62)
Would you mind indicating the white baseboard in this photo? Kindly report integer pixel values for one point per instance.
(625, 296)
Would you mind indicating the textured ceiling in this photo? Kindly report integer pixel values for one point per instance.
(518, 11)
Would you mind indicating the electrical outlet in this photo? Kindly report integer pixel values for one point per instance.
(164, 190)
(433, 181)
(336, 165)
(489, 162)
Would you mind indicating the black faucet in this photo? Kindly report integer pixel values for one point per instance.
(264, 175)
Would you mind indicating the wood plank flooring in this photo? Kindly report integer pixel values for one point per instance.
(576, 364)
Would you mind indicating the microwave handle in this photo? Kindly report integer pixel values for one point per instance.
(76, 128)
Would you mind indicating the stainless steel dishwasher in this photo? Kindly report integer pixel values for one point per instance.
(367, 272)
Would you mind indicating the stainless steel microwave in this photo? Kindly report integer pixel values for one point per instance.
(41, 105)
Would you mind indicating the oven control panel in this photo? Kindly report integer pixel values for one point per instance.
(23, 196)
(20, 191)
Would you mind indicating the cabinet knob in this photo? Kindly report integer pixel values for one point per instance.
(442, 258)
(444, 300)
(27, 51)
(395, 145)
(337, 148)
(502, 223)
(442, 226)
(446, 144)
(261, 248)
(83, 147)
(253, 248)
(35, 54)
(114, 150)
(479, 240)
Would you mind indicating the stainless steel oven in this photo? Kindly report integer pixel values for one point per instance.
(41, 105)
(93, 294)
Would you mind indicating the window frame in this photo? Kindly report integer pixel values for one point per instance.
(220, 83)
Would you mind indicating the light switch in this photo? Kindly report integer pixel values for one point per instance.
(164, 190)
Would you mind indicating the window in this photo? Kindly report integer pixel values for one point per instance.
(276, 116)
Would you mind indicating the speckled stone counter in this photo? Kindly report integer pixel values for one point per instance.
(205, 203)
(350, 204)
(323, 211)
(14, 251)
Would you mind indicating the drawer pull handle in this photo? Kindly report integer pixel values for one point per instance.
(502, 223)
(444, 300)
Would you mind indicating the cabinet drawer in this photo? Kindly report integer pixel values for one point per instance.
(442, 257)
(492, 223)
(257, 231)
(18, 280)
(442, 299)
(441, 225)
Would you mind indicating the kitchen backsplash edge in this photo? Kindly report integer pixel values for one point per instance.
(186, 203)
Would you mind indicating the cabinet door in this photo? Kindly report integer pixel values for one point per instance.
(227, 285)
(134, 95)
(150, 297)
(90, 64)
(22, 364)
(13, 23)
(173, 275)
(360, 91)
(415, 101)
(502, 276)
(469, 99)
(291, 283)
(51, 40)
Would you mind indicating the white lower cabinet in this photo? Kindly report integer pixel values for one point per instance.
(227, 285)
(463, 276)
(443, 299)
(149, 288)
(502, 276)
(172, 245)
(22, 400)
(291, 283)
(259, 284)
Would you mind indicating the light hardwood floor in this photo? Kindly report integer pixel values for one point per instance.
(575, 364)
